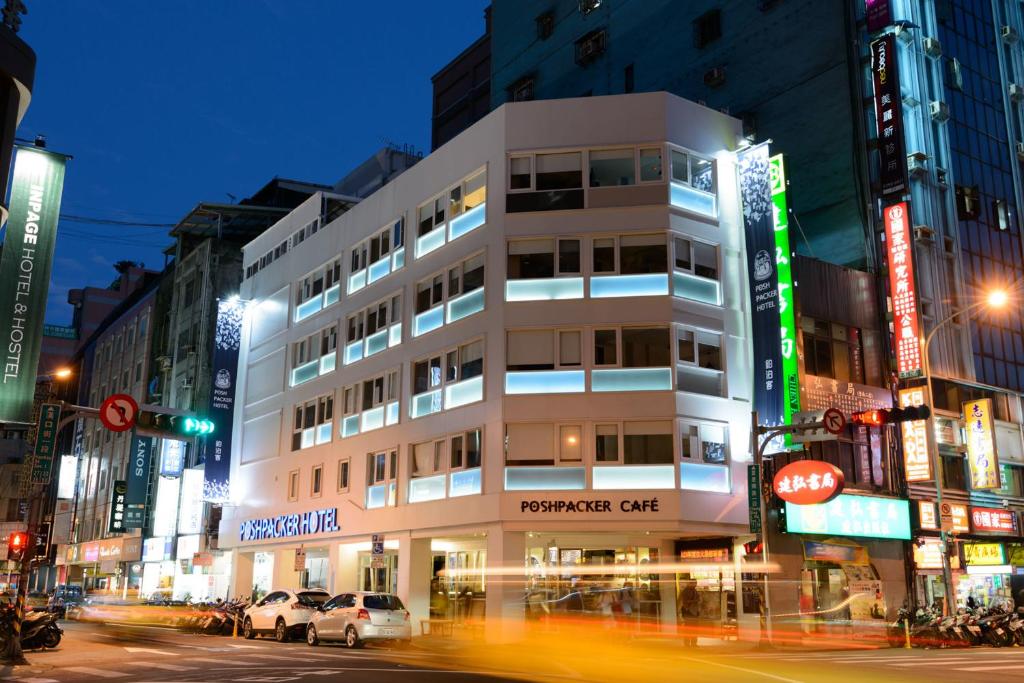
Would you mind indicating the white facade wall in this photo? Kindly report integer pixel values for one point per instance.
(496, 520)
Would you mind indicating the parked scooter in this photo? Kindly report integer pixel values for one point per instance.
(40, 630)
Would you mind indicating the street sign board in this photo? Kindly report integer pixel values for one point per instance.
(754, 498)
(946, 519)
(377, 551)
(808, 417)
(808, 482)
(118, 412)
(300, 559)
(834, 420)
(46, 442)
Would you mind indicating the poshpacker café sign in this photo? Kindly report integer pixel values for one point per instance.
(286, 526)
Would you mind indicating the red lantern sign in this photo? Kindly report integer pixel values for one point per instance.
(808, 482)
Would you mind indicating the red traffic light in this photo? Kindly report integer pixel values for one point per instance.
(883, 416)
(18, 540)
(869, 418)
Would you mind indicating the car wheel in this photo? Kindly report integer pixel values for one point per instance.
(352, 638)
(247, 630)
(280, 631)
(311, 636)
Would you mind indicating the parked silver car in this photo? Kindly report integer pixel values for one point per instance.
(358, 617)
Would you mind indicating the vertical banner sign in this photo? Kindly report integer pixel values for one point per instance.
(117, 507)
(226, 341)
(787, 308)
(138, 481)
(36, 189)
(754, 498)
(917, 464)
(758, 209)
(878, 14)
(46, 442)
(981, 445)
(903, 290)
(892, 171)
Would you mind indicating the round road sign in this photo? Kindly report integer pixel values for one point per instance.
(834, 420)
(118, 412)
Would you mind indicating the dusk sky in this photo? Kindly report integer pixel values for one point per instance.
(165, 104)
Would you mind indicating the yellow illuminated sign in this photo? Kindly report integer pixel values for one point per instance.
(981, 445)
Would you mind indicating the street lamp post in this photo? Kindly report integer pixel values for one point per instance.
(996, 299)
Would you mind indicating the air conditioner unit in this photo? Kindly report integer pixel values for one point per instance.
(1020, 150)
(1009, 34)
(187, 383)
(714, 77)
(932, 47)
(916, 167)
(923, 233)
(1016, 92)
(919, 155)
(939, 111)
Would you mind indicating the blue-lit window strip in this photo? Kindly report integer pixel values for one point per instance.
(353, 351)
(375, 343)
(391, 416)
(431, 241)
(696, 380)
(466, 305)
(308, 438)
(461, 393)
(323, 433)
(426, 404)
(691, 199)
(545, 478)
(428, 321)
(326, 298)
(546, 382)
(378, 270)
(704, 477)
(328, 362)
(697, 288)
(464, 483)
(467, 222)
(645, 284)
(544, 289)
(631, 379)
(376, 496)
(350, 426)
(397, 259)
(356, 281)
(422, 489)
(305, 372)
(395, 335)
(624, 477)
(369, 420)
(332, 295)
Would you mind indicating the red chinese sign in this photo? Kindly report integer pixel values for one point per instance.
(917, 462)
(993, 519)
(808, 482)
(902, 290)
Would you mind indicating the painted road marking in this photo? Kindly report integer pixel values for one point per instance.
(99, 673)
(161, 665)
(231, 662)
(996, 667)
(150, 650)
(31, 680)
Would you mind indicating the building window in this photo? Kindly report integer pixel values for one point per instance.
(452, 286)
(377, 256)
(591, 46)
(293, 485)
(641, 347)
(314, 355)
(441, 382)
(317, 290)
(522, 90)
(832, 350)
(629, 255)
(610, 167)
(628, 82)
(528, 350)
(312, 423)
(968, 202)
(704, 442)
(695, 257)
(446, 466)
(365, 331)
(545, 25)
(344, 471)
(690, 169)
(707, 28)
(381, 474)
(371, 404)
(316, 487)
(561, 171)
(467, 195)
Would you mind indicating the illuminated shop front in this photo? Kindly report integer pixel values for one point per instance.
(107, 565)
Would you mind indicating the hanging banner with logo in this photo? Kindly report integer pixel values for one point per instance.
(917, 464)
(787, 308)
(117, 507)
(217, 447)
(138, 481)
(981, 445)
(903, 290)
(758, 225)
(36, 188)
(878, 14)
(892, 170)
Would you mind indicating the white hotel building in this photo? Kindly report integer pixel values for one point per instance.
(528, 353)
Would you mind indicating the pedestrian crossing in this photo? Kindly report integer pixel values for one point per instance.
(978, 660)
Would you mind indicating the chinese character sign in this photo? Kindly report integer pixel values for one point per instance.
(984, 554)
(848, 515)
(994, 520)
(787, 310)
(117, 507)
(878, 14)
(903, 290)
(981, 445)
(917, 464)
(888, 116)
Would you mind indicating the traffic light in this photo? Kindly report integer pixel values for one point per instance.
(17, 543)
(885, 416)
(173, 426)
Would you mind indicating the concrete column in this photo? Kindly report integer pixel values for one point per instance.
(506, 618)
(346, 574)
(285, 575)
(241, 574)
(414, 571)
(667, 586)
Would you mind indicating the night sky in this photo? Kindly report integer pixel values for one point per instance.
(164, 104)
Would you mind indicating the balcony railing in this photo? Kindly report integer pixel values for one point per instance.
(313, 369)
(697, 288)
(376, 271)
(451, 396)
(329, 296)
(692, 199)
(427, 488)
(645, 284)
(368, 420)
(704, 477)
(546, 382)
(379, 495)
(429, 242)
(466, 305)
(545, 478)
(428, 321)
(544, 289)
(623, 477)
(453, 229)
(373, 344)
(631, 379)
(464, 483)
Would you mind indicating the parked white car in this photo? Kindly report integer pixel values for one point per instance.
(359, 617)
(283, 613)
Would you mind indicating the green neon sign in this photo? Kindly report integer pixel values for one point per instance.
(848, 515)
(787, 309)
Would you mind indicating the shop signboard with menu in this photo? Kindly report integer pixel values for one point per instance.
(994, 520)
(927, 518)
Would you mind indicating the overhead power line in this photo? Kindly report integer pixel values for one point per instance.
(95, 220)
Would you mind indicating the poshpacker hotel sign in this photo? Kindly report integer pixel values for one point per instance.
(36, 189)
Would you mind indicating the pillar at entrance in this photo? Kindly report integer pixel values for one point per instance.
(414, 574)
(667, 586)
(506, 586)
(285, 575)
(241, 574)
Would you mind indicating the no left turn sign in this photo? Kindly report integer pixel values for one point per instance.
(118, 412)
(834, 420)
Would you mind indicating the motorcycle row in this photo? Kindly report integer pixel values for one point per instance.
(997, 625)
(39, 629)
(211, 618)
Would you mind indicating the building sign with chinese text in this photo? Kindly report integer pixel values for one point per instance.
(928, 519)
(117, 506)
(217, 447)
(984, 554)
(46, 442)
(787, 308)
(903, 290)
(928, 553)
(877, 14)
(849, 515)
(917, 464)
(892, 171)
(982, 459)
(994, 520)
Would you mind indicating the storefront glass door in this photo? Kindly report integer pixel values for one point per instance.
(382, 579)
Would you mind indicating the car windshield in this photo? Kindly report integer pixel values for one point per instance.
(382, 602)
(313, 598)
